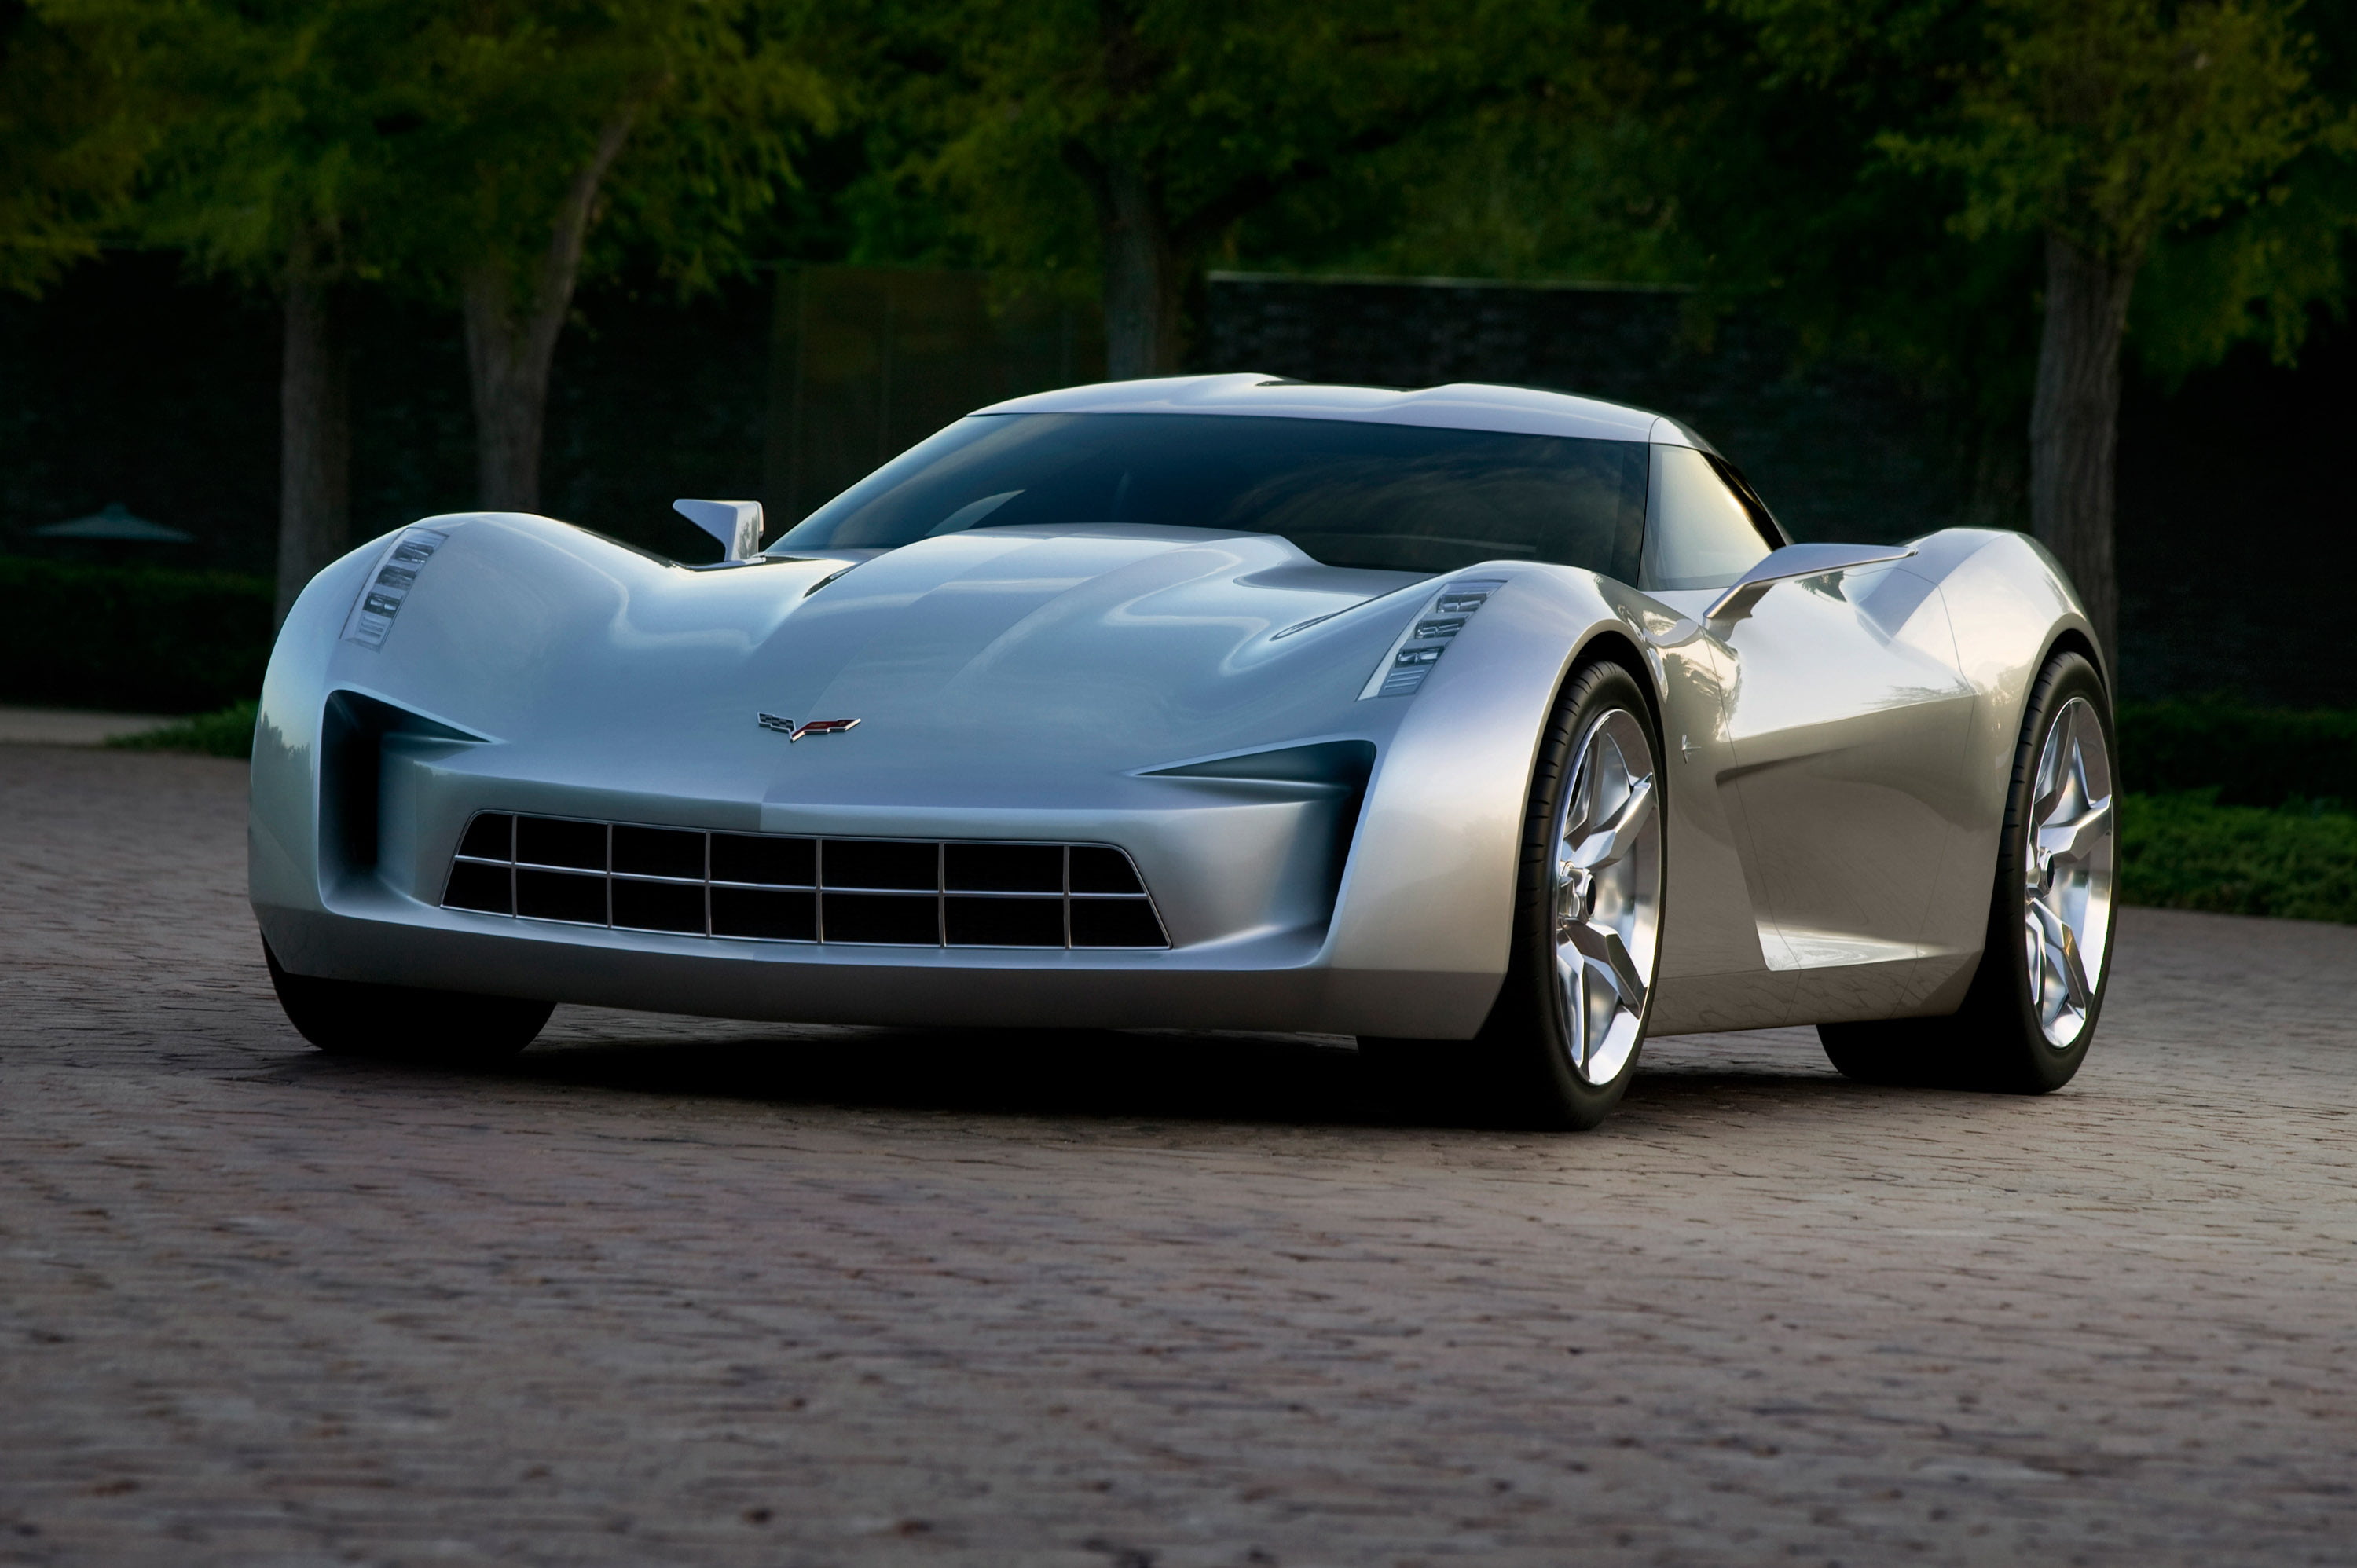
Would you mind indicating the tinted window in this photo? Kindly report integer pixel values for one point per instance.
(1404, 498)
(1698, 532)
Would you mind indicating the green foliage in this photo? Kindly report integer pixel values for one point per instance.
(71, 138)
(407, 139)
(2257, 276)
(501, 103)
(2239, 809)
(1216, 106)
(267, 140)
(2244, 756)
(1571, 176)
(228, 732)
(2189, 852)
(2110, 122)
(137, 639)
(2191, 134)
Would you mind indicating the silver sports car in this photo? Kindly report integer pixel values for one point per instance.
(1496, 727)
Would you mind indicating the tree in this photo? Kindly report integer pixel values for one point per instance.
(71, 140)
(2100, 127)
(462, 150)
(1130, 136)
(528, 122)
(269, 166)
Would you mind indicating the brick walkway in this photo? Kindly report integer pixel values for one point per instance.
(679, 1292)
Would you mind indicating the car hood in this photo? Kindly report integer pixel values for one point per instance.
(1014, 659)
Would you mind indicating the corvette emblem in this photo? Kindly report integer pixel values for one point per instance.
(794, 732)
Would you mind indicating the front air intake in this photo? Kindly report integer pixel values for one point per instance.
(782, 889)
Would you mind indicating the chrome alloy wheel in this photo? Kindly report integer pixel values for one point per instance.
(1606, 894)
(2067, 915)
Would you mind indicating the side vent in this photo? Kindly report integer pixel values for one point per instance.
(352, 774)
(1336, 769)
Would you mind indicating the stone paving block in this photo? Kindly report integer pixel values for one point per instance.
(685, 1291)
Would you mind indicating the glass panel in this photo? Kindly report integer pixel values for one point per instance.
(1698, 534)
(1396, 497)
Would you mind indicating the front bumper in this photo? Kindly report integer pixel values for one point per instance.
(1271, 981)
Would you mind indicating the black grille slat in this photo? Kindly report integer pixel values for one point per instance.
(659, 852)
(658, 905)
(491, 836)
(489, 889)
(1003, 922)
(880, 865)
(788, 887)
(1096, 870)
(887, 919)
(554, 840)
(1002, 868)
(561, 896)
(1116, 923)
(774, 863)
(765, 915)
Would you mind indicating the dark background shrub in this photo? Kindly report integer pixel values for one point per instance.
(138, 638)
(2251, 756)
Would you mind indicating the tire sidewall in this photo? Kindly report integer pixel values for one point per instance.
(2004, 981)
(1528, 1020)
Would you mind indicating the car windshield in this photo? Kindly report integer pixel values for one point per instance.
(1348, 493)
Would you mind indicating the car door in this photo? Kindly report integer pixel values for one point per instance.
(1845, 723)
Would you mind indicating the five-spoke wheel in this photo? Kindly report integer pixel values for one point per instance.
(1561, 1043)
(1607, 894)
(2067, 881)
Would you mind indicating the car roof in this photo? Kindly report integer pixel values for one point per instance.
(1459, 405)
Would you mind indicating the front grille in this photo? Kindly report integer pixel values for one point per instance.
(779, 888)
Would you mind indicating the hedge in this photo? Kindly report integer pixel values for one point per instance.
(2187, 850)
(2251, 757)
(134, 639)
(229, 732)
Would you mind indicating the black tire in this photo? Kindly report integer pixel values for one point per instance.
(1518, 1070)
(401, 1023)
(1994, 1041)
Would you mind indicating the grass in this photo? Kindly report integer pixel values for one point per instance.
(228, 732)
(2185, 851)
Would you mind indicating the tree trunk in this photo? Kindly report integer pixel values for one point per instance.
(511, 337)
(1143, 277)
(314, 430)
(507, 363)
(2074, 423)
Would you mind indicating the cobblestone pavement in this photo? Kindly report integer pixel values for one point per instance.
(670, 1291)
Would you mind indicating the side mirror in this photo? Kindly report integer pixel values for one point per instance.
(736, 524)
(1795, 561)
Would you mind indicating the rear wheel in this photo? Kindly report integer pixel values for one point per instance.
(348, 1017)
(1562, 1041)
(2030, 1013)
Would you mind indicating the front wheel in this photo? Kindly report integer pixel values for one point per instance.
(1561, 1044)
(349, 1018)
(2027, 1020)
